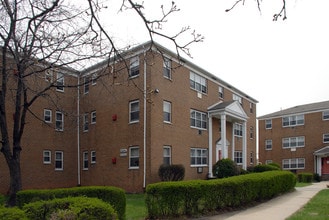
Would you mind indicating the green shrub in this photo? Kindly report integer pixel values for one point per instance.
(171, 172)
(275, 165)
(2, 200)
(112, 195)
(225, 168)
(12, 214)
(195, 197)
(65, 214)
(71, 207)
(264, 167)
(305, 177)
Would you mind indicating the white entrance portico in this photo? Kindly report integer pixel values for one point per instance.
(230, 111)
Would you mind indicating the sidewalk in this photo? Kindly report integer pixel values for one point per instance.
(278, 208)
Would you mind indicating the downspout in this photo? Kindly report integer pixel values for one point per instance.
(144, 133)
(78, 131)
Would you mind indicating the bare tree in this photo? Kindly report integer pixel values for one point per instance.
(281, 14)
(40, 35)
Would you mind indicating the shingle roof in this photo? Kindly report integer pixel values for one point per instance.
(322, 151)
(312, 107)
(221, 105)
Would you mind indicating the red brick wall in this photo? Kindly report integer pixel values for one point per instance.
(313, 129)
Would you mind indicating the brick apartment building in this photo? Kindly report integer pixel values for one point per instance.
(163, 110)
(297, 138)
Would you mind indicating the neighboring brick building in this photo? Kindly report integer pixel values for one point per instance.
(297, 138)
(163, 111)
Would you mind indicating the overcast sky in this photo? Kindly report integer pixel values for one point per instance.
(281, 64)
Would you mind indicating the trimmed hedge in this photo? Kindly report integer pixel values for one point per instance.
(12, 214)
(265, 167)
(174, 199)
(70, 208)
(305, 177)
(112, 195)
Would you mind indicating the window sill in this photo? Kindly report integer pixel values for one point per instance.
(133, 168)
(196, 165)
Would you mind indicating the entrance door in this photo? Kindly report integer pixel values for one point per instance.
(325, 165)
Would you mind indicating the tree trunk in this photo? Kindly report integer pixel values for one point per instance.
(15, 180)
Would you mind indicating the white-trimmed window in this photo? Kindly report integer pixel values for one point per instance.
(60, 82)
(167, 68)
(59, 162)
(59, 121)
(293, 120)
(238, 157)
(94, 77)
(268, 161)
(220, 92)
(292, 142)
(86, 84)
(237, 98)
(325, 115)
(251, 107)
(326, 138)
(85, 122)
(293, 164)
(46, 157)
(198, 119)
(47, 115)
(237, 129)
(85, 160)
(198, 83)
(268, 124)
(268, 144)
(167, 155)
(93, 157)
(134, 157)
(134, 111)
(167, 111)
(93, 117)
(251, 132)
(251, 157)
(134, 67)
(49, 74)
(199, 157)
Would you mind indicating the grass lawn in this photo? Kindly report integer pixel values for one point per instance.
(316, 208)
(135, 208)
(298, 184)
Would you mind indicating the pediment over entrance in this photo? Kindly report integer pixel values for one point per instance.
(220, 142)
(322, 152)
(232, 108)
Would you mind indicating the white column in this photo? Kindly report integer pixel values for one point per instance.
(210, 174)
(233, 142)
(244, 145)
(223, 134)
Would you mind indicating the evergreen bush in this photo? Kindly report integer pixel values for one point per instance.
(225, 168)
(12, 214)
(116, 197)
(265, 167)
(77, 208)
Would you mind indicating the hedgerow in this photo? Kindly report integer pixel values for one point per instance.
(114, 196)
(189, 198)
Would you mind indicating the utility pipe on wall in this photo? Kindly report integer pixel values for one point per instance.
(144, 132)
(78, 131)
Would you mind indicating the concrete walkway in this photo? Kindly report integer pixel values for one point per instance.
(278, 208)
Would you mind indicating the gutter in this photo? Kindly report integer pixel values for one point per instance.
(144, 132)
(78, 131)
